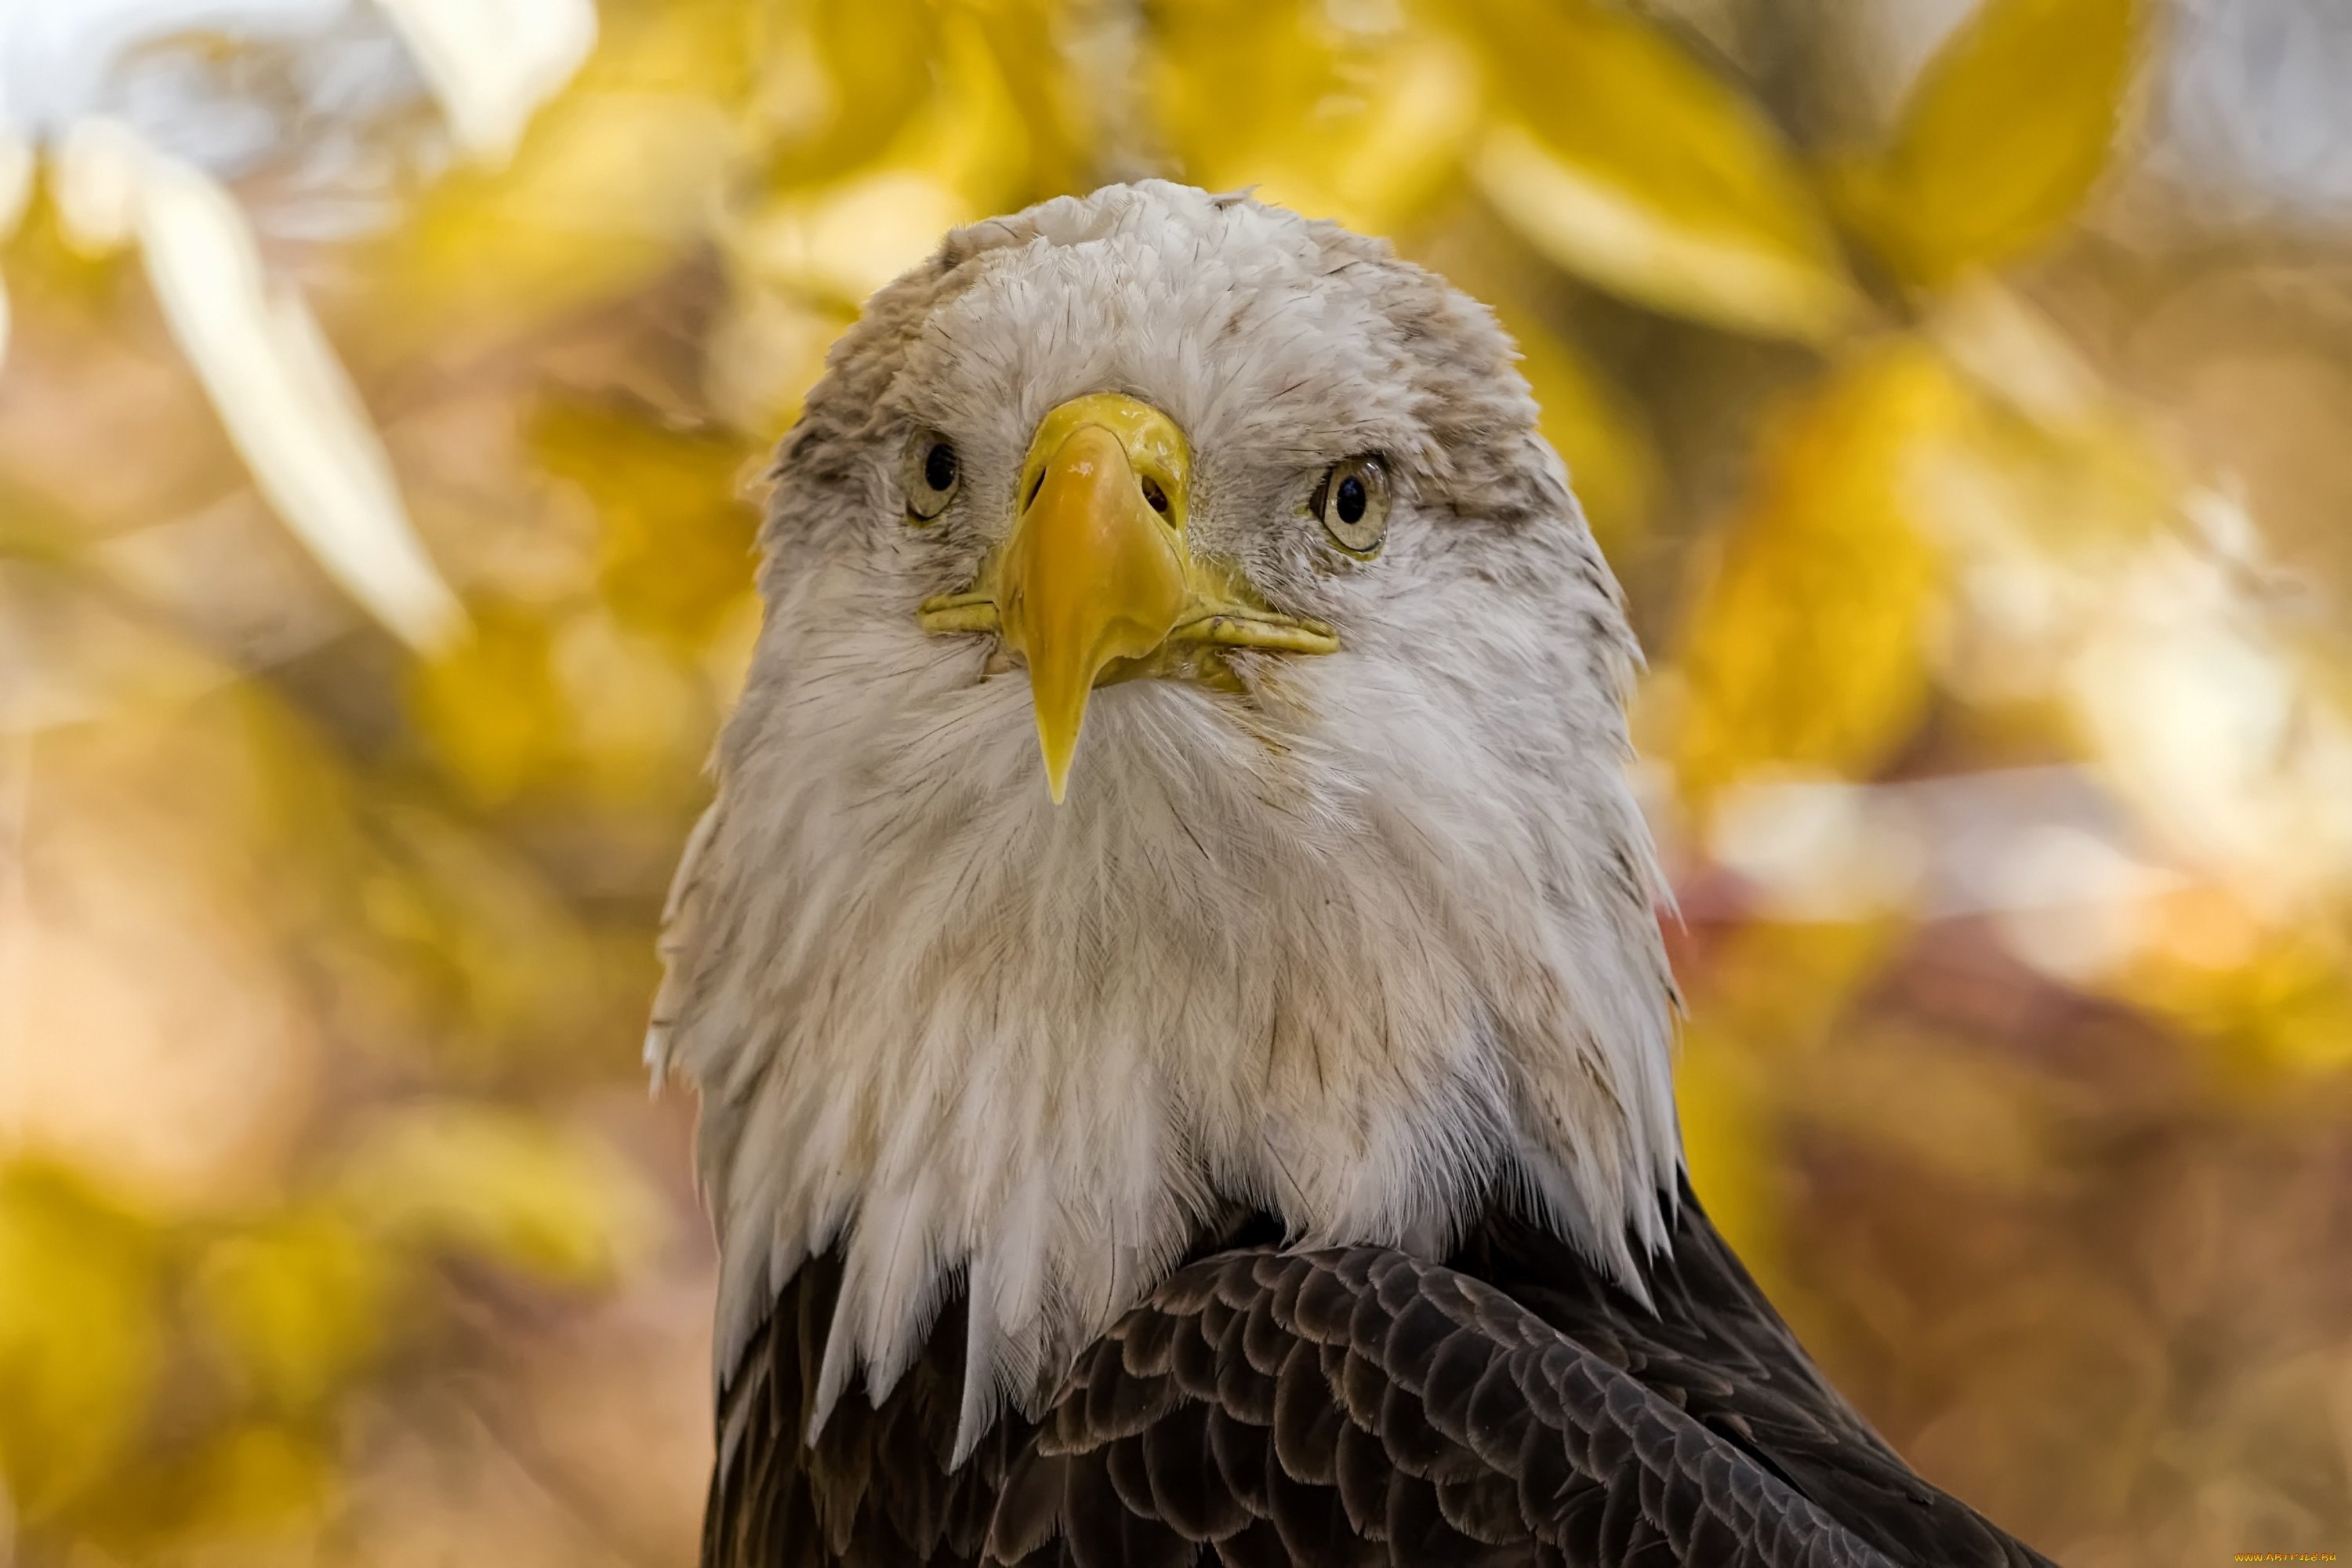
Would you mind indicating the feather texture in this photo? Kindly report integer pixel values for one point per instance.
(1511, 1405)
(1268, 1156)
(1360, 943)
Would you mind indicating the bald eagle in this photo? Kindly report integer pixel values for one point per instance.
(1257, 1144)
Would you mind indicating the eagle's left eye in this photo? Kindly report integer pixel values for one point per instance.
(1353, 503)
(933, 472)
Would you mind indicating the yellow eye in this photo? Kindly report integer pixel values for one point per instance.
(1353, 503)
(931, 473)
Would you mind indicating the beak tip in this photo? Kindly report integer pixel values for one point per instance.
(1057, 771)
(1061, 715)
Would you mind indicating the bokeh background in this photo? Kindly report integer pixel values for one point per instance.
(1963, 392)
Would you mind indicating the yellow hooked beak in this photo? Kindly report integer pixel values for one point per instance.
(1096, 582)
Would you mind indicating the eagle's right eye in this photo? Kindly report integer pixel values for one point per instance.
(932, 473)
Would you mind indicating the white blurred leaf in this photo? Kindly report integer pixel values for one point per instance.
(2015, 352)
(15, 185)
(15, 179)
(289, 409)
(2214, 724)
(491, 63)
(95, 184)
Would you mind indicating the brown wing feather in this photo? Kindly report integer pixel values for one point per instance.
(1352, 1406)
(1715, 1347)
(1358, 1406)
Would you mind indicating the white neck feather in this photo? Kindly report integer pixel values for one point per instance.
(1401, 965)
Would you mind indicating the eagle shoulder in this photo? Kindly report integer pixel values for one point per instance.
(1355, 1406)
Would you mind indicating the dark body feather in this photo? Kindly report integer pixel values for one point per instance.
(1351, 1406)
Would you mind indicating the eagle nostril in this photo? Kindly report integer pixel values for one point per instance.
(1154, 495)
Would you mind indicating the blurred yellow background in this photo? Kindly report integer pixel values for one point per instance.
(1963, 392)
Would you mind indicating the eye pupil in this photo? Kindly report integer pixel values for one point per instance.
(1353, 503)
(940, 466)
(1351, 500)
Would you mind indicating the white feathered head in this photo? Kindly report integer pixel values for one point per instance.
(1182, 768)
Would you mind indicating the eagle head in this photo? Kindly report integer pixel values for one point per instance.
(1181, 775)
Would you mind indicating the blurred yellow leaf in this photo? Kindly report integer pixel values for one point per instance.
(81, 1335)
(1610, 461)
(837, 80)
(2268, 999)
(644, 712)
(2002, 136)
(613, 181)
(508, 1188)
(233, 1487)
(518, 975)
(251, 1479)
(298, 1303)
(49, 275)
(961, 154)
(489, 705)
(675, 551)
(1730, 1143)
(1803, 646)
(1626, 162)
(1031, 43)
(1358, 123)
(2063, 492)
(570, 704)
